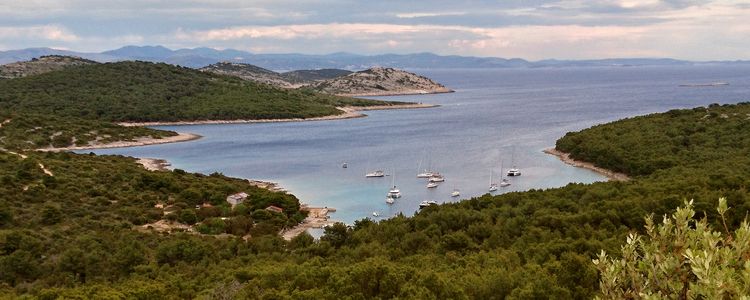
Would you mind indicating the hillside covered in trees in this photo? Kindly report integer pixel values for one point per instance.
(61, 237)
(78, 105)
(142, 92)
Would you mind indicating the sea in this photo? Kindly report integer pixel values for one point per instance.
(496, 118)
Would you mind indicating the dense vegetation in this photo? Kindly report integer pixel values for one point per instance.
(84, 221)
(526, 245)
(78, 104)
(141, 91)
(34, 131)
(686, 138)
(680, 258)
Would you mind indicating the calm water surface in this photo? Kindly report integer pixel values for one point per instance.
(506, 115)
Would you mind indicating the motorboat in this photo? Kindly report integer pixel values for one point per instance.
(504, 183)
(378, 173)
(427, 203)
(437, 178)
(431, 185)
(514, 172)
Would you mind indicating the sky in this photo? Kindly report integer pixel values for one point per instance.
(529, 29)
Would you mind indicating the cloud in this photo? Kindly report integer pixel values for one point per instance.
(532, 29)
(44, 32)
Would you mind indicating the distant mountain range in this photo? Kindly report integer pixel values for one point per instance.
(200, 57)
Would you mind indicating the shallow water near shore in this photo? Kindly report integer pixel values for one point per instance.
(497, 114)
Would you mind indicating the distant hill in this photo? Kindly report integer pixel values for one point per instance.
(307, 76)
(199, 57)
(371, 82)
(248, 72)
(379, 82)
(290, 79)
(41, 65)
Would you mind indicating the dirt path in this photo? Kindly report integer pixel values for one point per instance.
(45, 170)
(565, 157)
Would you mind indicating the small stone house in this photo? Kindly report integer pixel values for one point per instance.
(275, 209)
(235, 199)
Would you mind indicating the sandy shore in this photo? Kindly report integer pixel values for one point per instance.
(144, 141)
(317, 217)
(565, 157)
(348, 112)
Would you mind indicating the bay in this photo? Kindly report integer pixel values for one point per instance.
(495, 115)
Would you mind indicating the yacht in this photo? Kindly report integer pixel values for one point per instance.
(514, 172)
(427, 203)
(504, 182)
(394, 192)
(425, 174)
(378, 173)
(436, 177)
(431, 185)
(455, 193)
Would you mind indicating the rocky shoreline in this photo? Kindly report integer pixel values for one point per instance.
(144, 141)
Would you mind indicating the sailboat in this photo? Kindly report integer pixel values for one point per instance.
(503, 182)
(426, 173)
(394, 192)
(455, 193)
(514, 171)
(493, 186)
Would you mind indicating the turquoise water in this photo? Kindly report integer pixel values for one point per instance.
(494, 115)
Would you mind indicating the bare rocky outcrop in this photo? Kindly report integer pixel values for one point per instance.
(380, 81)
(248, 72)
(377, 81)
(41, 65)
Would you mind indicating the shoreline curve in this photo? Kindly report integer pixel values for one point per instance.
(565, 157)
(348, 112)
(143, 141)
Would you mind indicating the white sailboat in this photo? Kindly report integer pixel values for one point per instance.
(455, 193)
(514, 171)
(426, 173)
(493, 186)
(394, 192)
